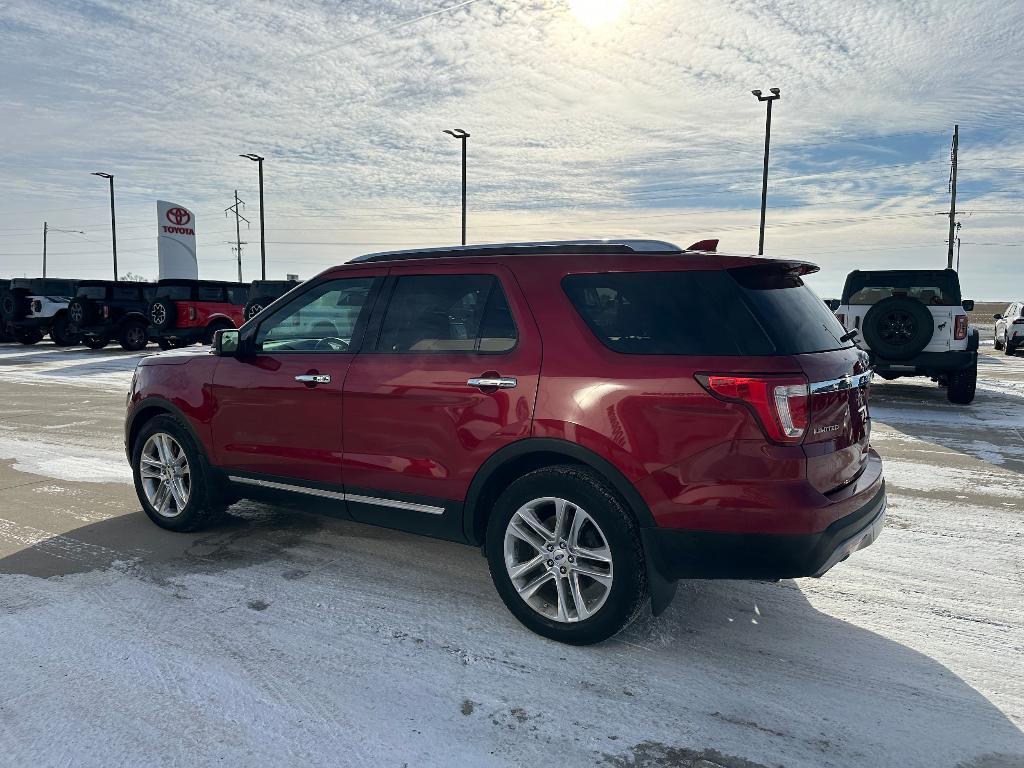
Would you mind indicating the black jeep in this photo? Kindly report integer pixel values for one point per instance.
(263, 293)
(5, 288)
(104, 310)
(32, 307)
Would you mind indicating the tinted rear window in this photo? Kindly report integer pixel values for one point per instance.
(739, 312)
(93, 292)
(175, 292)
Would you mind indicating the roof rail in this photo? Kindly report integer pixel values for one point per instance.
(526, 248)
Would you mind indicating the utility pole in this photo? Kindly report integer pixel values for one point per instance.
(263, 240)
(460, 134)
(775, 94)
(46, 228)
(952, 195)
(239, 218)
(113, 222)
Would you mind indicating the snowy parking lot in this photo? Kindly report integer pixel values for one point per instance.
(284, 637)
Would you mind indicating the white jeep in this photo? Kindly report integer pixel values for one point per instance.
(31, 308)
(913, 322)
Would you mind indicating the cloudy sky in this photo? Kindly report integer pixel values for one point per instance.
(589, 118)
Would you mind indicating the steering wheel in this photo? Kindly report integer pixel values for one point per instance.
(331, 343)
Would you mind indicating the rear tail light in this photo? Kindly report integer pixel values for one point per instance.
(106, 312)
(191, 313)
(780, 403)
(960, 327)
(841, 318)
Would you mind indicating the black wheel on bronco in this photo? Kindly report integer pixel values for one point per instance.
(565, 555)
(162, 313)
(61, 333)
(172, 477)
(962, 385)
(897, 328)
(28, 335)
(14, 304)
(95, 342)
(80, 311)
(165, 343)
(132, 335)
(254, 306)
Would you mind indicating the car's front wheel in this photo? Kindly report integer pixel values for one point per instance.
(998, 343)
(133, 336)
(171, 478)
(95, 342)
(565, 555)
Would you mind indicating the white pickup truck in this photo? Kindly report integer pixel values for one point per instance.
(913, 322)
(33, 307)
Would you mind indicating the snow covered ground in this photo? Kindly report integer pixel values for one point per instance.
(290, 638)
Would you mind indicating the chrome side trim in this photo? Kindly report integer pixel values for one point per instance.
(411, 506)
(844, 382)
(339, 496)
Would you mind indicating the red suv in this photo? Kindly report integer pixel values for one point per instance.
(184, 312)
(603, 418)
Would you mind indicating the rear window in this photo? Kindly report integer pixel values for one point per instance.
(126, 292)
(93, 292)
(238, 294)
(175, 292)
(748, 311)
(931, 287)
(210, 293)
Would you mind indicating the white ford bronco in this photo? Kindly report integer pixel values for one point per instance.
(913, 322)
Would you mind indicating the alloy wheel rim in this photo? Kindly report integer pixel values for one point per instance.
(158, 314)
(254, 310)
(76, 313)
(558, 559)
(135, 335)
(166, 474)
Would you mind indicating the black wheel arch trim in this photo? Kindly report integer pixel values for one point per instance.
(569, 450)
(157, 403)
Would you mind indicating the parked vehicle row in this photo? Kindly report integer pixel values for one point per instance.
(601, 418)
(172, 313)
(1009, 330)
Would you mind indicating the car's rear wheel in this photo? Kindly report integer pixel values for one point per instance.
(133, 336)
(998, 343)
(1008, 348)
(171, 477)
(963, 385)
(61, 333)
(95, 342)
(565, 555)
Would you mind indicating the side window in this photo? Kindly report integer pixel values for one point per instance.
(126, 292)
(323, 319)
(447, 313)
(238, 294)
(210, 293)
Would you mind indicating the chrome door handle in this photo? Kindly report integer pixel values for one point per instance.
(493, 382)
(314, 378)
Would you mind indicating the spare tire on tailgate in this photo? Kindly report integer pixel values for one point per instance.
(162, 313)
(80, 311)
(898, 328)
(14, 304)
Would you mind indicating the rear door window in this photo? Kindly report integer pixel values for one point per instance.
(175, 292)
(95, 292)
(447, 313)
(210, 293)
(238, 294)
(126, 292)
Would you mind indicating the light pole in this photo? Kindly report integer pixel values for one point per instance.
(113, 222)
(263, 245)
(775, 94)
(461, 135)
(46, 230)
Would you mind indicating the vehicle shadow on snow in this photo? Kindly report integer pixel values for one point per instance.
(740, 667)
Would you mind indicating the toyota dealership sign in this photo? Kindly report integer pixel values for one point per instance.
(176, 230)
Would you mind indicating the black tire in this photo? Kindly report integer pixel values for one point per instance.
(61, 333)
(254, 306)
(998, 343)
(213, 327)
(132, 336)
(28, 335)
(162, 314)
(205, 503)
(14, 304)
(165, 343)
(962, 385)
(586, 490)
(1009, 350)
(898, 328)
(95, 342)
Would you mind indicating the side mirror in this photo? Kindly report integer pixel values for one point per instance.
(226, 342)
(833, 304)
(997, 317)
(968, 305)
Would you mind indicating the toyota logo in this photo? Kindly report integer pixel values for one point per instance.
(178, 216)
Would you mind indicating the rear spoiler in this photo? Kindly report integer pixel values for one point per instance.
(704, 245)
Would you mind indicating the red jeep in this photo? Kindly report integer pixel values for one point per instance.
(603, 418)
(184, 312)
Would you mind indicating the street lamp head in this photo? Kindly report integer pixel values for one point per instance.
(757, 93)
(775, 91)
(458, 133)
(252, 156)
(102, 175)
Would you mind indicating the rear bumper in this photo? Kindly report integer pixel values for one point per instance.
(928, 361)
(187, 335)
(681, 554)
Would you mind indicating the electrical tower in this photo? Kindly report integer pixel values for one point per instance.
(239, 218)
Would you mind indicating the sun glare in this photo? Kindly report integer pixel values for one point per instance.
(594, 13)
